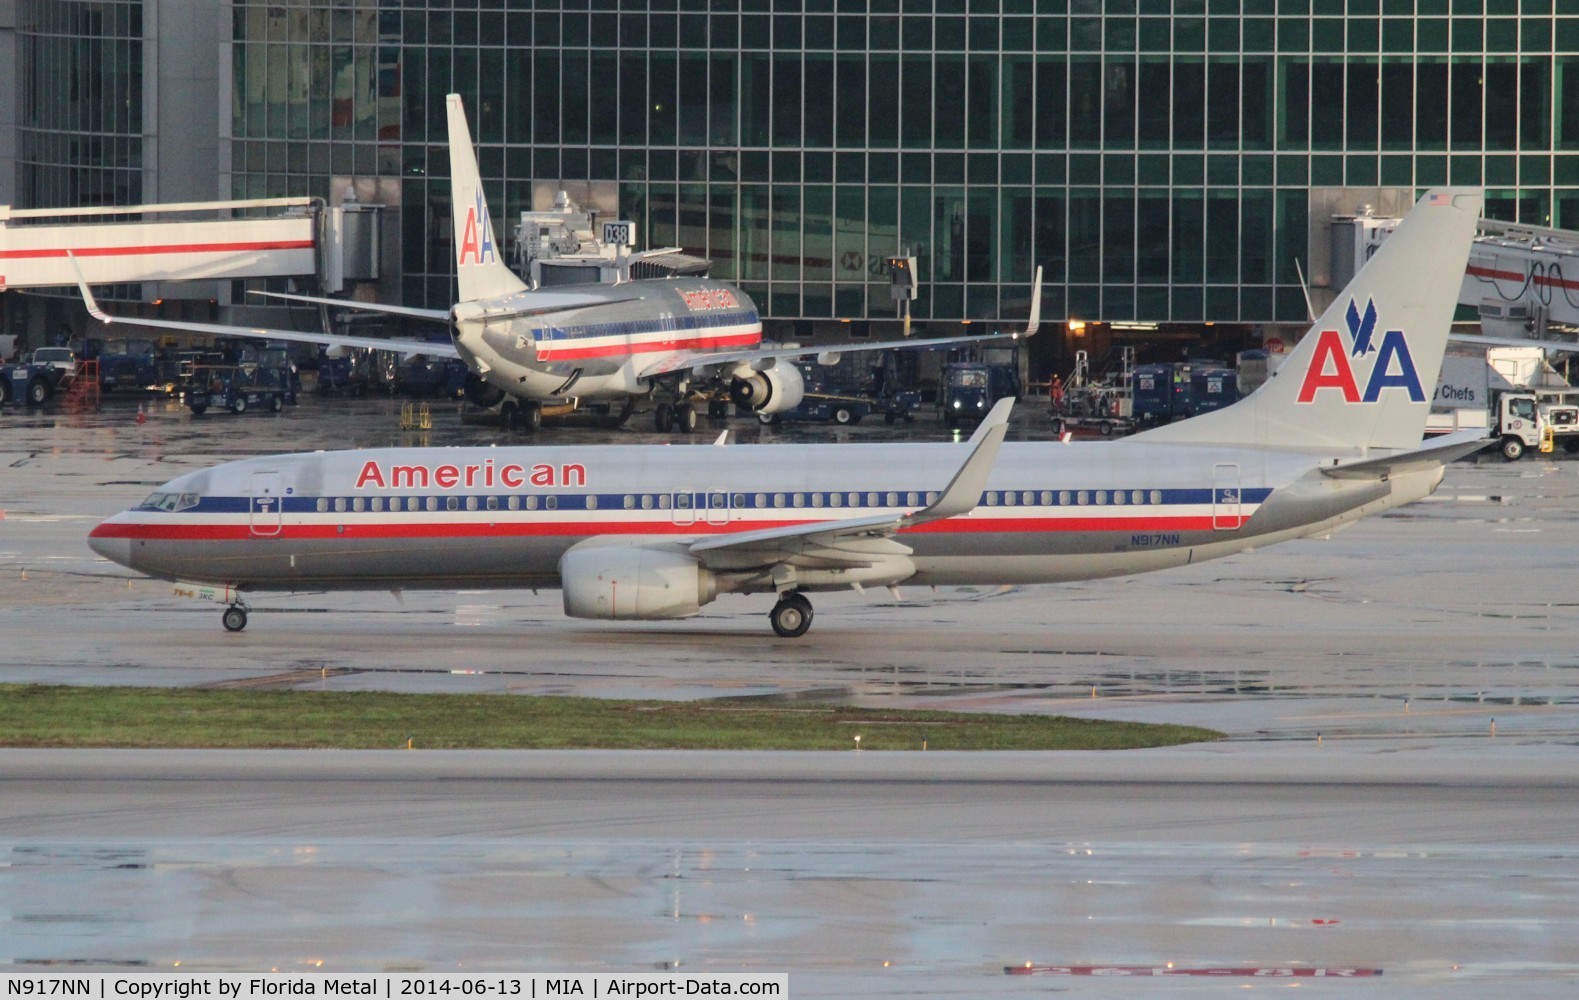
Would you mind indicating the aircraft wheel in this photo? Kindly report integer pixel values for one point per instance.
(240, 405)
(37, 392)
(510, 414)
(663, 417)
(717, 409)
(1512, 448)
(791, 616)
(234, 619)
(531, 417)
(685, 418)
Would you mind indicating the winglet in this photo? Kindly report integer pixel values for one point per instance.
(1310, 307)
(1035, 321)
(87, 296)
(964, 490)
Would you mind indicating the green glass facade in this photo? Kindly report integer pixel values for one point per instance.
(1157, 158)
(80, 120)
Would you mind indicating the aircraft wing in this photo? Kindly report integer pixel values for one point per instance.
(1438, 451)
(436, 315)
(834, 543)
(682, 361)
(435, 349)
(552, 302)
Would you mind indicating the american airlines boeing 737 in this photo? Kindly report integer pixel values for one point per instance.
(636, 532)
(532, 350)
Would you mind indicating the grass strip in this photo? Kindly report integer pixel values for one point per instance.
(33, 715)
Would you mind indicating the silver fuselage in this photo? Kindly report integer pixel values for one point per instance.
(503, 517)
(600, 351)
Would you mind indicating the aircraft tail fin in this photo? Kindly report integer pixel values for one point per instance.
(479, 256)
(1364, 375)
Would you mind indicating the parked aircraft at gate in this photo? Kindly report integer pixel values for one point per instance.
(633, 532)
(585, 343)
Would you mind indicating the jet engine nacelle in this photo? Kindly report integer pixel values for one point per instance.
(613, 579)
(775, 390)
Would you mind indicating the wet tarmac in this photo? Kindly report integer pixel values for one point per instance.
(1437, 641)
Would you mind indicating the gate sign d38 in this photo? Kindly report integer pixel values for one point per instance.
(619, 234)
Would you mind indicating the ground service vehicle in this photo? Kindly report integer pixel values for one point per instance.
(442, 377)
(36, 379)
(1521, 425)
(1521, 420)
(1180, 390)
(1107, 406)
(828, 409)
(239, 389)
(134, 364)
(1562, 420)
(899, 404)
(970, 388)
(59, 359)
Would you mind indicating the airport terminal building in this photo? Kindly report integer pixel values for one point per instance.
(1166, 162)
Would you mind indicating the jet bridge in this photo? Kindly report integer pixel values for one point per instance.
(1522, 280)
(562, 247)
(191, 241)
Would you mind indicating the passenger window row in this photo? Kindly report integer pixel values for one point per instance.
(1078, 498)
(714, 501)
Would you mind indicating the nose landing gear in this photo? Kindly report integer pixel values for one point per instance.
(791, 616)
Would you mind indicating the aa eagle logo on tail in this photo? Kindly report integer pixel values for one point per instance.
(1338, 367)
(477, 235)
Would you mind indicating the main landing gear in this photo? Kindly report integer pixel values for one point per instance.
(791, 616)
(681, 417)
(522, 416)
(235, 618)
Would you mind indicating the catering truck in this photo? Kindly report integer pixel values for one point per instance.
(1511, 392)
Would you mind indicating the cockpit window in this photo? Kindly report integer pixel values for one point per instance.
(171, 501)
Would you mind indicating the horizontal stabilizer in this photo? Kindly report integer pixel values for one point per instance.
(1440, 451)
